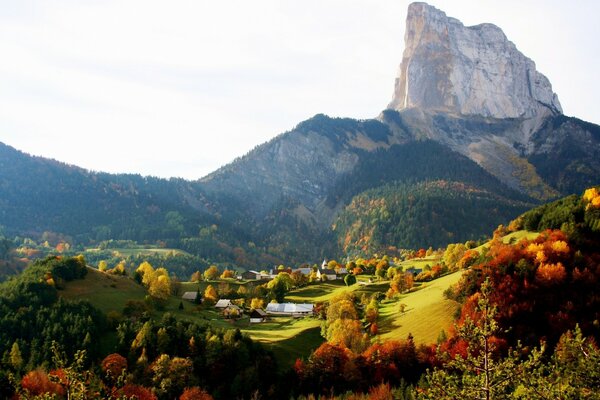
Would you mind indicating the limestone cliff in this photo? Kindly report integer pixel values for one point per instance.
(448, 67)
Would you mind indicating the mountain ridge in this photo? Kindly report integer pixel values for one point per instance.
(280, 200)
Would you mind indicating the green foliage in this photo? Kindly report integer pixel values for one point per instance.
(32, 315)
(420, 215)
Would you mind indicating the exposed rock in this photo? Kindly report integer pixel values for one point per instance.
(448, 67)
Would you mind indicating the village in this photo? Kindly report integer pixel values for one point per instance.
(233, 309)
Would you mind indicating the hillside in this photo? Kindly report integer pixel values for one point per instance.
(421, 215)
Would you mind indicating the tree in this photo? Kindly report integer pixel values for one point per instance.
(481, 374)
(15, 358)
(195, 393)
(196, 277)
(102, 266)
(210, 294)
(211, 273)
(279, 286)
(257, 303)
(350, 279)
(146, 271)
(228, 274)
(160, 288)
(171, 375)
(113, 366)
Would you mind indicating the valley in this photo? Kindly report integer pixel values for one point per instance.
(448, 248)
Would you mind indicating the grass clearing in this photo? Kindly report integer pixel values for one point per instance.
(105, 291)
(142, 251)
(427, 312)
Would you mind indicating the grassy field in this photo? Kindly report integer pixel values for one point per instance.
(142, 251)
(420, 263)
(427, 312)
(107, 292)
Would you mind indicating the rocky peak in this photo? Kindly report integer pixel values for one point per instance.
(474, 70)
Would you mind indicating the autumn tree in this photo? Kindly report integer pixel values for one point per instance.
(228, 274)
(210, 294)
(195, 393)
(196, 277)
(257, 303)
(211, 273)
(481, 374)
(102, 266)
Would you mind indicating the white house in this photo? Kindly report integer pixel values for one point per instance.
(290, 309)
(329, 274)
(223, 304)
(190, 296)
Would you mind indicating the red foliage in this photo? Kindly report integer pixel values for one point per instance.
(195, 393)
(37, 382)
(114, 365)
(374, 329)
(140, 392)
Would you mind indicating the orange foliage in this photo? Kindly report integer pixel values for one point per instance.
(357, 271)
(195, 393)
(381, 392)
(37, 383)
(228, 274)
(551, 273)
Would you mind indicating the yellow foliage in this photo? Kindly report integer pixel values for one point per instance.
(541, 256)
(560, 246)
(210, 293)
(534, 248)
(592, 196)
(160, 287)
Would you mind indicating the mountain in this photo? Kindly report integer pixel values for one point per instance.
(472, 125)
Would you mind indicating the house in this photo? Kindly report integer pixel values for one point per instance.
(251, 275)
(232, 311)
(342, 271)
(190, 296)
(258, 315)
(328, 274)
(223, 304)
(290, 309)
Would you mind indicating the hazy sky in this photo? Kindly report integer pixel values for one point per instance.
(179, 88)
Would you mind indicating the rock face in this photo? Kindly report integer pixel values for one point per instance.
(448, 67)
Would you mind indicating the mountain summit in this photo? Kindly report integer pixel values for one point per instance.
(468, 70)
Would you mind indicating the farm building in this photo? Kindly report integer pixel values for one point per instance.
(251, 275)
(190, 296)
(223, 304)
(328, 274)
(290, 309)
(232, 311)
(258, 315)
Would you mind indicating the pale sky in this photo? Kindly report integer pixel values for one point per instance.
(180, 88)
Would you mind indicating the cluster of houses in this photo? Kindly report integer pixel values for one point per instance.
(230, 310)
(322, 273)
